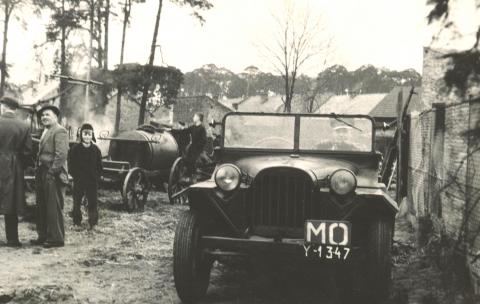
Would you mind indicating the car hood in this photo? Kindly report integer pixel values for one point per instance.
(318, 168)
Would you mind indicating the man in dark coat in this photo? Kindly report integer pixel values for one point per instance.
(198, 139)
(15, 151)
(51, 178)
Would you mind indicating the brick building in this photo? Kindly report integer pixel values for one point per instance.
(185, 107)
(129, 114)
(443, 160)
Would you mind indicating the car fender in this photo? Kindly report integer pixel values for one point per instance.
(379, 193)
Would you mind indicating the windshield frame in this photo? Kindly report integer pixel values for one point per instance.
(296, 148)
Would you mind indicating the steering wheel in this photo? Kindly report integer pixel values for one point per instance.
(273, 138)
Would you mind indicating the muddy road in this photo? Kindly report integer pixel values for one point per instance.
(128, 259)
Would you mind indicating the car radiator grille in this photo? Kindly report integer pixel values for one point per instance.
(281, 198)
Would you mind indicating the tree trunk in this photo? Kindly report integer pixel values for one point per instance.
(106, 24)
(287, 101)
(89, 68)
(126, 17)
(105, 53)
(143, 103)
(98, 35)
(63, 65)
(6, 20)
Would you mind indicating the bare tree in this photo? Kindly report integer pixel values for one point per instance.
(196, 6)
(299, 37)
(126, 17)
(106, 29)
(8, 6)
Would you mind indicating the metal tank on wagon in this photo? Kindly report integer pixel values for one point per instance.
(139, 159)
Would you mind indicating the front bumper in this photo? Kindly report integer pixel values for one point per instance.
(256, 245)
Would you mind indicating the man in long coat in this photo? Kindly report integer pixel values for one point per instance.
(15, 151)
(51, 178)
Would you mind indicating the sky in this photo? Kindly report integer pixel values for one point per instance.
(385, 33)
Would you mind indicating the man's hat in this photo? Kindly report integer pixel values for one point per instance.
(47, 106)
(10, 102)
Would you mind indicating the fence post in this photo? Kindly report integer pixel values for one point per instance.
(399, 145)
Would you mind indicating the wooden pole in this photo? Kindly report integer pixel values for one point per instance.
(399, 145)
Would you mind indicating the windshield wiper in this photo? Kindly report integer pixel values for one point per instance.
(344, 122)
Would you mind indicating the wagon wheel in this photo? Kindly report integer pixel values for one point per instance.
(177, 184)
(135, 190)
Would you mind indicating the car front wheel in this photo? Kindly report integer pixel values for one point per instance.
(191, 266)
(379, 243)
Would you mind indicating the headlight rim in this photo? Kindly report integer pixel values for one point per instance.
(355, 184)
(239, 172)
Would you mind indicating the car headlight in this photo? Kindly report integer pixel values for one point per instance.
(227, 177)
(343, 182)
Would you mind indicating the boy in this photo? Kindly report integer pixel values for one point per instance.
(85, 166)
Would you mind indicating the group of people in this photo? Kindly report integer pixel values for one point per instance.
(54, 156)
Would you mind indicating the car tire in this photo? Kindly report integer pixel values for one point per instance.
(379, 244)
(191, 268)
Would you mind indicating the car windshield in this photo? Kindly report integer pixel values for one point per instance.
(317, 133)
(259, 132)
(336, 133)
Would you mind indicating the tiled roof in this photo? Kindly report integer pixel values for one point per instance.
(261, 104)
(387, 107)
(347, 104)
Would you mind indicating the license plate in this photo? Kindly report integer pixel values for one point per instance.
(327, 239)
(326, 252)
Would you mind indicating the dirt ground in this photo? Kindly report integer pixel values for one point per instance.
(128, 259)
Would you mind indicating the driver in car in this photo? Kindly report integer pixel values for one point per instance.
(343, 139)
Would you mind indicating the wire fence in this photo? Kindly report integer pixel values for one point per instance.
(443, 172)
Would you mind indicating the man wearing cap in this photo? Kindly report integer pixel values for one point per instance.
(51, 178)
(343, 139)
(15, 152)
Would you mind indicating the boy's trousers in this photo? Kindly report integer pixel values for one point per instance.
(88, 190)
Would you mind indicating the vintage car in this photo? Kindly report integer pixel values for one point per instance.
(303, 186)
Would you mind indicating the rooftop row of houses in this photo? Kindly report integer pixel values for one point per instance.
(379, 105)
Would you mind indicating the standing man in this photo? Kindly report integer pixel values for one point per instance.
(198, 139)
(15, 152)
(51, 178)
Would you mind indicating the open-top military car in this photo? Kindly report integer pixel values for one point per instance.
(304, 186)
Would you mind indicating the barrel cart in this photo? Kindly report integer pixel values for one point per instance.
(138, 159)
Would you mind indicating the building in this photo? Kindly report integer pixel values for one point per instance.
(387, 109)
(443, 186)
(351, 104)
(185, 107)
(130, 110)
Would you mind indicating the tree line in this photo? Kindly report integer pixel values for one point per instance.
(91, 19)
(336, 79)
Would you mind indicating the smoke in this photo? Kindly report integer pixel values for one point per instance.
(75, 113)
